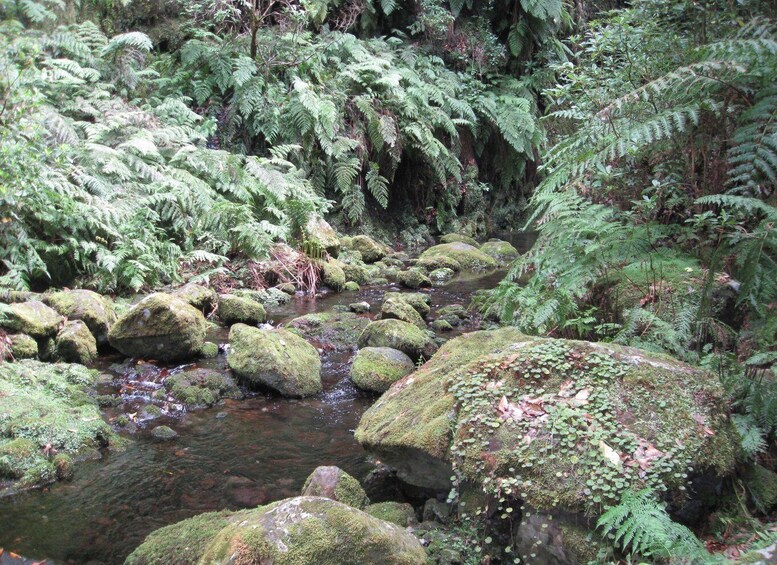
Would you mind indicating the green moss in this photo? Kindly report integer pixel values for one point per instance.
(164, 433)
(377, 368)
(431, 263)
(237, 310)
(470, 258)
(401, 514)
(418, 300)
(500, 250)
(762, 487)
(269, 297)
(321, 235)
(397, 334)
(23, 346)
(209, 350)
(334, 483)
(351, 286)
(413, 278)
(199, 296)
(355, 272)
(441, 326)
(33, 318)
(76, 344)
(332, 275)
(64, 466)
(370, 250)
(95, 310)
(201, 387)
(401, 310)
(338, 330)
(440, 276)
(454, 237)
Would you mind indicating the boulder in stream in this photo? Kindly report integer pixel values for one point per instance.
(33, 318)
(400, 310)
(199, 296)
(371, 251)
(75, 343)
(330, 330)
(95, 310)
(470, 258)
(237, 310)
(418, 300)
(396, 334)
(23, 346)
(414, 278)
(334, 483)
(377, 368)
(502, 251)
(322, 235)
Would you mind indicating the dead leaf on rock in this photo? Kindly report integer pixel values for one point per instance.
(508, 410)
(610, 454)
(563, 390)
(581, 398)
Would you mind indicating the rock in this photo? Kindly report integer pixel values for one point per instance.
(319, 233)
(332, 275)
(457, 237)
(470, 258)
(500, 250)
(557, 538)
(332, 330)
(201, 387)
(391, 261)
(287, 288)
(268, 297)
(164, 433)
(275, 358)
(399, 513)
(335, 484)
(377, 368)
(436, 511)
(236, 310)
(370, 250)
(441, 326)
(95, 310)
(359, 307)
(454, 314)
(413, 278)
(762, 487)
(33, 318)
(397, 334)
(620, 417)
(209, 350)
(304, 530)
(434, 262)
(354, 272)
(379, 281)
(442, 275)
(197, 295)
(23, 346)
(418, 300)
(76, 344)
(401, 310)
(351, 286)
(161, 327)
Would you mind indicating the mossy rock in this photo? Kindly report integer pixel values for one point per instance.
(454, 314)
(76, 344)
(41, 405)
(23, 346)
(441, 276)
(95, 310)
(418, 300)
(201, 387)
(355, 272)
(377, 368)
(500, 250)
(413, 278)
(457, 237)
(359, 308)
(33, 318)
(275, 358)
(209, 350)
(334, 483)
(557, 538)
(161, 327)
(433, 262)
(399, 513)
(305, 530)
(333, 330)
(396, 334)
(236, 310)
(371, 251)
(322, 236)
(199, 296)
(352, 286)
(469, 257)
(442, 326)
(401, 310)
(164, 433)
(332, 275)
(269, 297)
(614, 418)
(762, 487)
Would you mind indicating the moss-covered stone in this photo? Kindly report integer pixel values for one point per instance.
(161, 327)
(359, 308)
(431, 263)
(355, 272)
(418, 300)
(377, 368)
(197, 295)
(296, 531)
(352, 286)
(209, 350)
(76, 344)
(397, 334)
(95, 310)
(500, 250)
(454, 314)
(457, 237)
(275, 358)
(399, 513)
(287, 288)
(235, 310)
(441, 326)
(268, 297)
(330, 330)
(23, 346)
(762, 487)
(413, 278)
(164, 433)
(441, 276)
(334, 483)
(370, 250)
(32, 318)
(321, 235)
(468, 257)
(401, 310)
(201, 387)
(332, 275)
(44, 409)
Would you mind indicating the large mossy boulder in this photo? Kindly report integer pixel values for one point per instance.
(305, 530)
(322, 236)
(457, 237)
(568, 425)
(199, 296)
(414, 278)
(32, 318)
(334, 483)
(332, 275)
(23, 346)
(400, 310)
(161, 327)
(330, 330)
(396, 334)
(356, 272)
(432, 263)
(45, 409)
(236, 310)
(418, 300)
(274, 358)
(75, 343)
(469, 258)
(370, 250)
(500, 250)
(377, 368)
(95, 310)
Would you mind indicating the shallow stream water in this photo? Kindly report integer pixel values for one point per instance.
(237, 454)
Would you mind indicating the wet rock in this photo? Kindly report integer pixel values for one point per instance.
(413, 278)
(457, 237)
(435, 262)
(164, 433)
(95, 310)
(500, 250)
(334, 483)
(441, 276)
(76, 344)
(469, 257)
(33, 318)
(397, 334)
(391, 261)
(355, 272)
(550, 538)
(296, 531)
(377, 368)
(371, 251)
(275, 358)
(454, 314)
(23, 346)
(245, 492)
(209, 350)
(287, 288)
(436, 511)
(197, 295)
(333, 330)
(401, 310)
(442, 326)
(322, 236)
(149, 412)
(399, 513)
(201, 387)
(418, 300)
(359, 307)
(268, 297)
(161, 327)
(236, 310)
(332, 275)
(351, 286)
